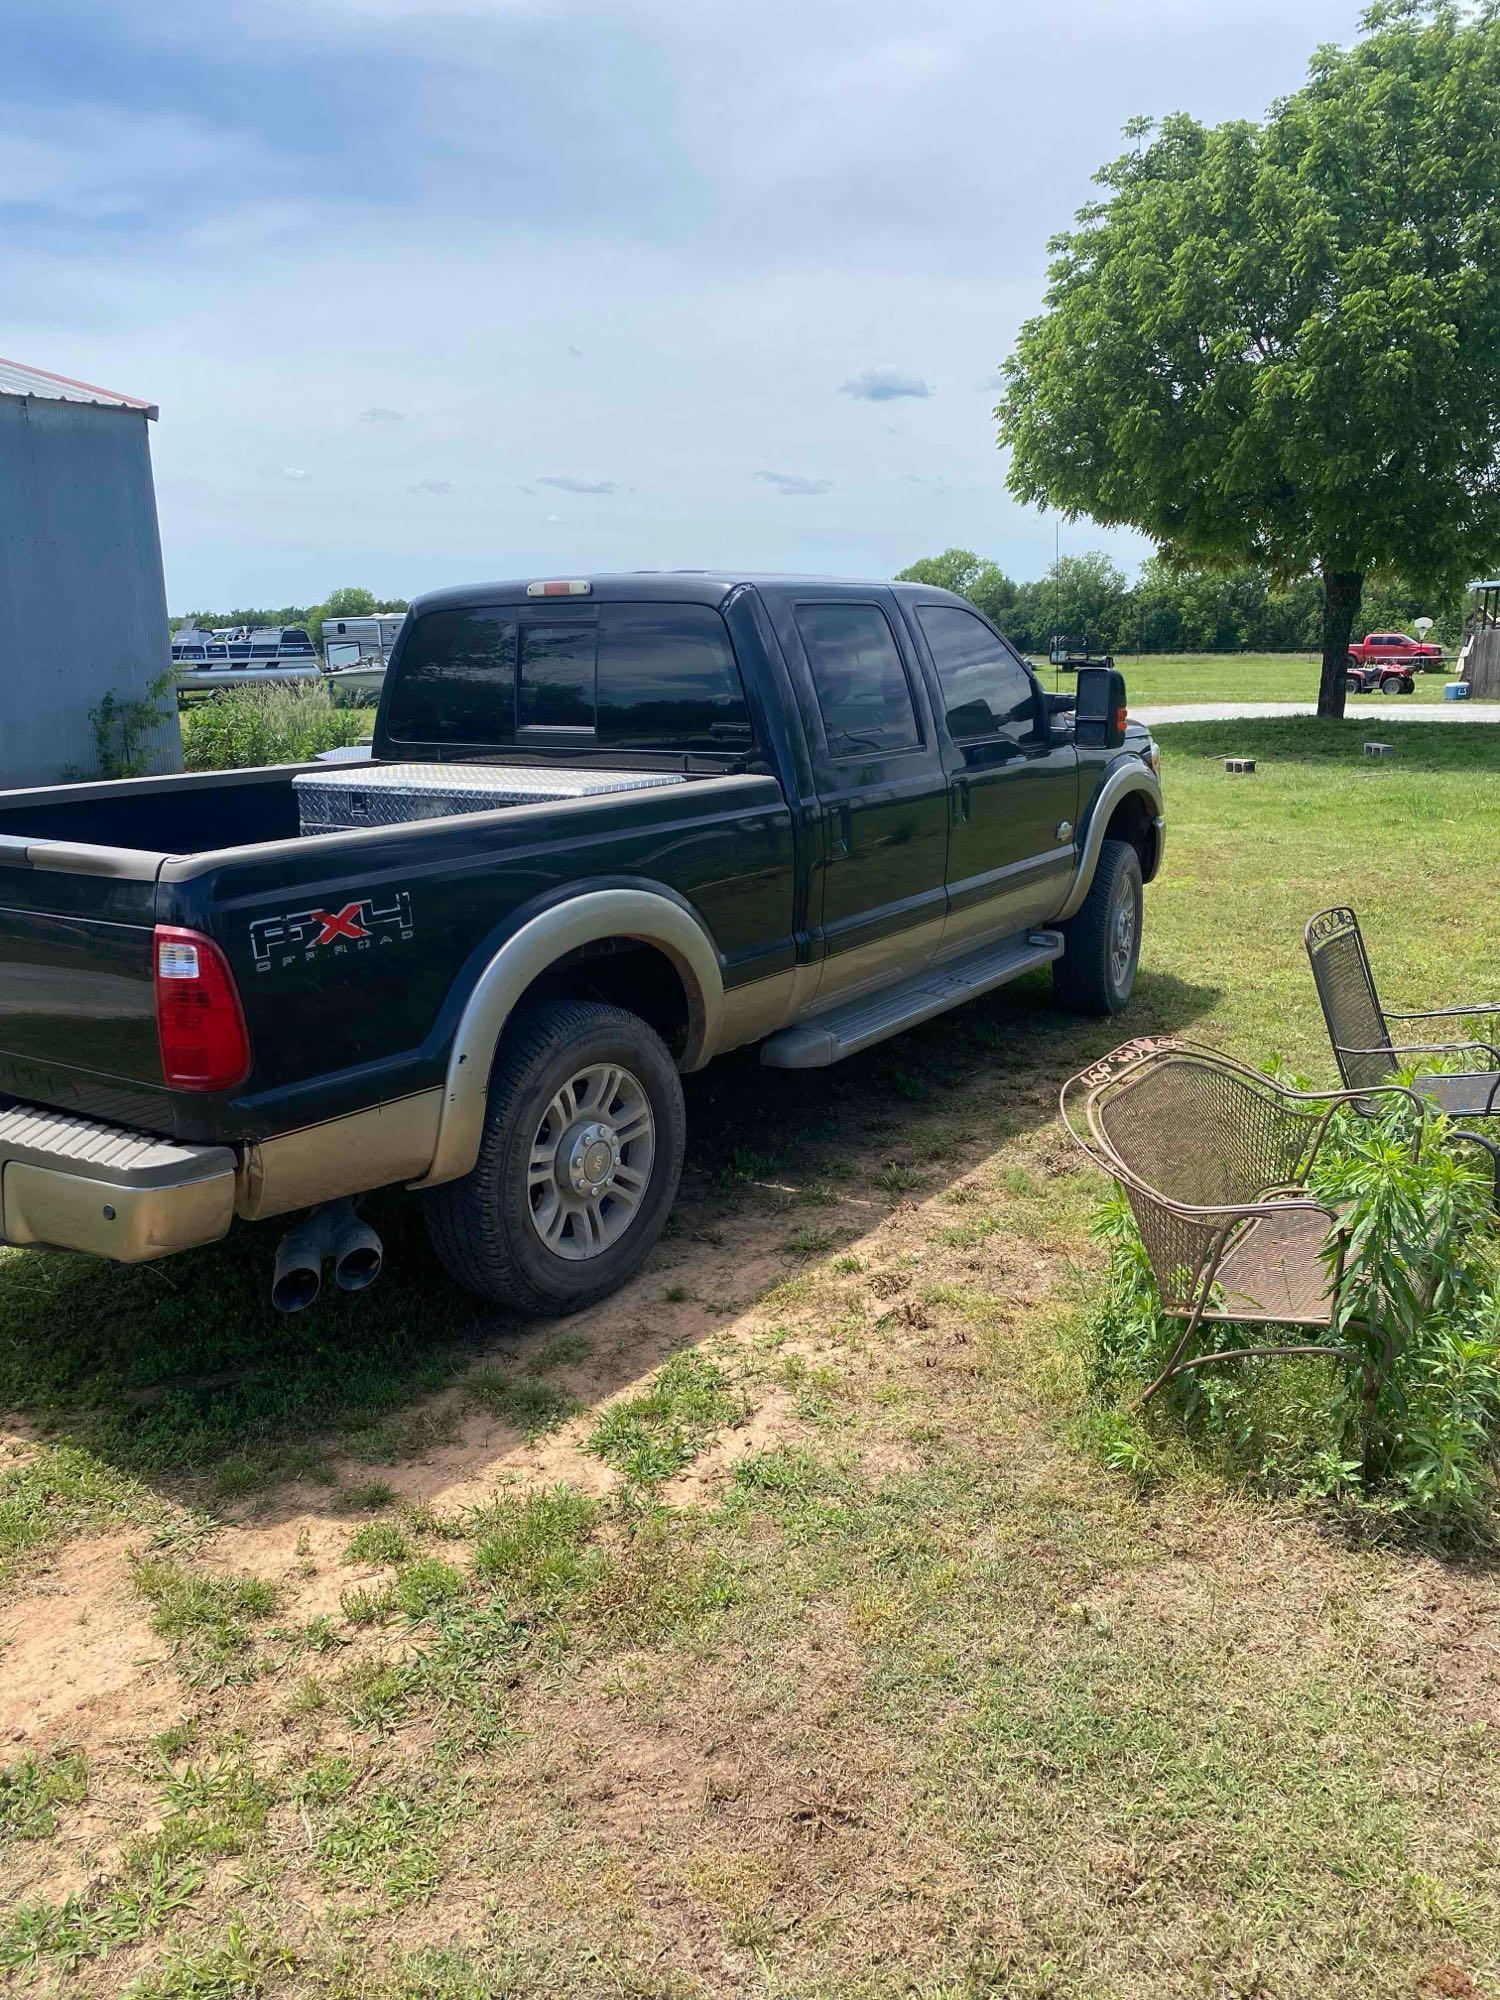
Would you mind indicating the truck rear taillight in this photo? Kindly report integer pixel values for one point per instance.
(199, 1021)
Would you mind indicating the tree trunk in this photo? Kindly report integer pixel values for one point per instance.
(1342, 589)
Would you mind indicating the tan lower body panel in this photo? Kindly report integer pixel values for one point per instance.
(1020, 906)
(752, 1012)
(847, 974)
(366, 1149)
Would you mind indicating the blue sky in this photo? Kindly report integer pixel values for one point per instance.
(442, 292)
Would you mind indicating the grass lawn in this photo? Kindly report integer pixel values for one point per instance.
(770, 1630)
(1156, 678)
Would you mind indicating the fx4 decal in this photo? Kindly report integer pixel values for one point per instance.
(306, 934)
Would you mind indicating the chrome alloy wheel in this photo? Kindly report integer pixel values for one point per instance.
(590, 1161)
(1122, 934)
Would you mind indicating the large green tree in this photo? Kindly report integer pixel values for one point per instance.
(1280, 343)
(983, 582)
(1080, 597)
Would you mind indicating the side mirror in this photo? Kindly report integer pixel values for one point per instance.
(1099, 717)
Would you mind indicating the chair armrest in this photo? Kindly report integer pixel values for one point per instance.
(1443, 1013)
(1358, 1098)
(1252, 1211)
(1491, 1146)
(1425, 1049)
(1342, 1096)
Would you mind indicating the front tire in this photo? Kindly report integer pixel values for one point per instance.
(1096, 973)
(1394, 684)
(578, 1162)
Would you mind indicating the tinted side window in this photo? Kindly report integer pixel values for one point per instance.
(457, 682)
(984, 690)
(668, 679)
(556, 686)
(861, 684)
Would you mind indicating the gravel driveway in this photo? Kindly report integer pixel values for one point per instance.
(1393, 710)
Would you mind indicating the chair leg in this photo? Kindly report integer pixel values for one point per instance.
(1174, 1359)
(1210, 1272)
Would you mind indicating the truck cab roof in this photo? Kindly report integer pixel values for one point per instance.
(685, 586)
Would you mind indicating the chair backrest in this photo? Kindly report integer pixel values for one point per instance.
(1198, 1132)
(1180, 1127)
(1346, 993)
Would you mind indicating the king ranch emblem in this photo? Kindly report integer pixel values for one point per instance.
(305, 935)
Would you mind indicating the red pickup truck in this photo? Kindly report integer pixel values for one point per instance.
(1388, 660)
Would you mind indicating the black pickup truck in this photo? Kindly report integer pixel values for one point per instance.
(611, 827)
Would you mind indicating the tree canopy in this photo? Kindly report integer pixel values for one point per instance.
(1173, 608)
(983, 582)
(1280, 343)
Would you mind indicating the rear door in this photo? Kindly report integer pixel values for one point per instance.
(1013, 792)
(881, 786)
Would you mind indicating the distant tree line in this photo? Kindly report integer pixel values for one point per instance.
(349, 602)
(1169, 609)
(1085, 597)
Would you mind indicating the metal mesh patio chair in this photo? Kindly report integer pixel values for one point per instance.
(1213, 1159)
(1364, 1047)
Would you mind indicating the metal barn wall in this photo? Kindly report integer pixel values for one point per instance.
(83, 608)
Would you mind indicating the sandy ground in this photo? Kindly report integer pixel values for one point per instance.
(77, 1655)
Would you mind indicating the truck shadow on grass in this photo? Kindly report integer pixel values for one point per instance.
(181, 1376)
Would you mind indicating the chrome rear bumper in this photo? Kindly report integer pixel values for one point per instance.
(71, 1183)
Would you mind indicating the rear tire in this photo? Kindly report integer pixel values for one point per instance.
(1353, 684)
(1096, 973)
(578, 1162)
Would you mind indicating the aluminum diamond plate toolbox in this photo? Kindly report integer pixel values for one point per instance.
(341, 797)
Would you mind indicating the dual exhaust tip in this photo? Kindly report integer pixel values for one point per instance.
(332, 1232)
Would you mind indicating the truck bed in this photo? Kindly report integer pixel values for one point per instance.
(351, 949)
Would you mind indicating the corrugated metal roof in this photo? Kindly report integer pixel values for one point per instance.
(16, 379)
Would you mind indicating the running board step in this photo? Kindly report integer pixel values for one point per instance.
(859, 1024)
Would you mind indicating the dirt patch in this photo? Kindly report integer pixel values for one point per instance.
(770, 1422)
(78, 1658)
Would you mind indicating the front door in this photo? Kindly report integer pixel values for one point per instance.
(1014, 793)
(882, 793)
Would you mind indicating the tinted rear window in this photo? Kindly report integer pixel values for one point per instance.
(457, 680)
(668, 678)
(632, 676)
(557, 665)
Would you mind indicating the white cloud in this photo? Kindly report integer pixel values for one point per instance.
(378, 414)
(884, 385)
(566, 483)
(439, 489)
(794, 483)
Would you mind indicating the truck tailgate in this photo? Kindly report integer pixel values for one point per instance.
(77, 1015)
